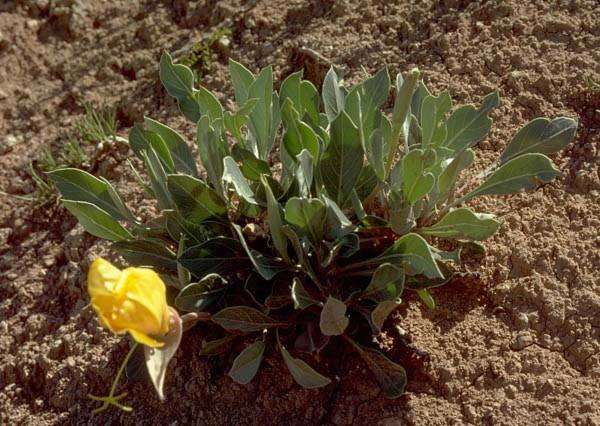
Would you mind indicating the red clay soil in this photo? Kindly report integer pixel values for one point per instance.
(518, 343)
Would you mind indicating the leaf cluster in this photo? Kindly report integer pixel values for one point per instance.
(316, 212)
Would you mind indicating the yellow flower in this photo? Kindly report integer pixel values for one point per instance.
(132, 300)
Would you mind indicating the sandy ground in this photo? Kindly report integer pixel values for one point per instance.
(518, 343)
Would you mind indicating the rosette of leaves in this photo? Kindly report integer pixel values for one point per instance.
(312, 213)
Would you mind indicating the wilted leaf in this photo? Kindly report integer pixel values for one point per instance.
(157, 359)
(246, 364)
(333, 320)
(244, 319)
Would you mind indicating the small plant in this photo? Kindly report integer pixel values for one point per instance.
(199, 56)
(97, 124)
(315, 214)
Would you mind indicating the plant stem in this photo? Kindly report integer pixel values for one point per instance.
(111, 399)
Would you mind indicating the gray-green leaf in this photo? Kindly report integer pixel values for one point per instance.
(303, 373)
(96, 221)
(194, 199)
(196, 297)
(463, 223)
(541, 135)
(246, 364)
(233, 175)
(333, 320)
(244, 319)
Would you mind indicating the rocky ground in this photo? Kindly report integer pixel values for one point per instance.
(519, 343)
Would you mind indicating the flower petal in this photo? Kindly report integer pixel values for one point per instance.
(145, 339)
(102, 277)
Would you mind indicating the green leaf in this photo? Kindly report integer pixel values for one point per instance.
(524, 172)
(463, 223)
(300, 296)
(416, 181)
(309, 215)
(246, 364)
(301, 252)
(342, 161)
(303, 95)
(244, 319)
(194, 199)
(77, 185)
(252, 168)
(242, 79)
(197, 297)
(382, 311)
(390, 376)
(433, 111)
(261, 117)
(425, 296)
(147, 253)
(541, 135)
(178, 81)
(266, 267)
(387, 283)
(333, 95)
(219, 255)
(333, 320)
(468, 125)
(298, 135)
(275, 221)
(338, 224)
(208, 104)
(234, 121)
(402, 110)
(217, 346)
(416, 253)
(158, 178)
(96, 221)
(213, 150)
(303, 373)
(305, 172)
(375, 154)
(233, 175)
(448, 177)
(180, 152)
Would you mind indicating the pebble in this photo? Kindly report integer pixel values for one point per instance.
(522, 341)
(7, 143)
(3, 42)
(511, 391)
(523, 321)
(4, 235)
(267, 48)
(33, 24)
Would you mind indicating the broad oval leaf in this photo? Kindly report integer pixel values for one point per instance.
(96, 221)
(463, 223)
(412, 250)
(468, 125)
(541, 135)
(309, 215)
(180, 151)
(524, 172)
(303, 373)
(78, 185)
(233, 175)
(244, 319)
(333, 320)
(194, 199)
(246, 364)
(342, 162)
(197, 297)
(218, 255)
(390, 376)
(387, 283)
(147, 253)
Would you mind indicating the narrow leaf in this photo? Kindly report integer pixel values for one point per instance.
(243, 319)
(96, 221)
(463, 223)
